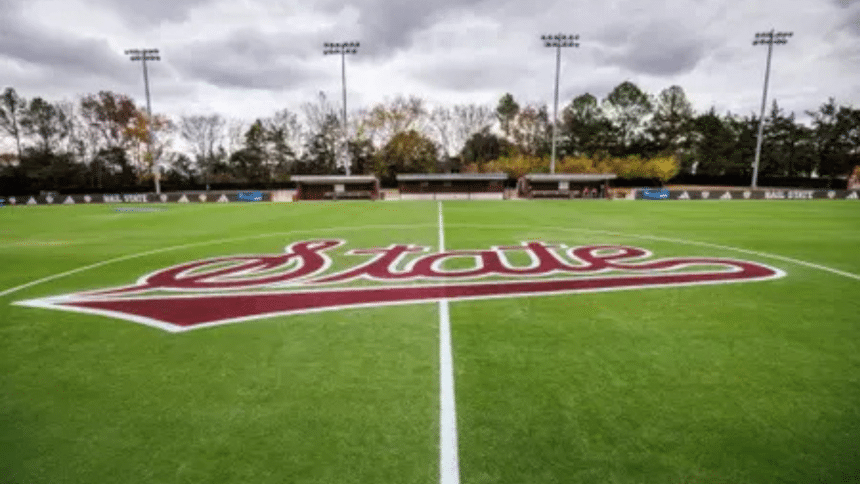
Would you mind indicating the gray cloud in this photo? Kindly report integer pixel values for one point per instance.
(151, 12)
(658, 48)
(468, 76)
(229, 75)
(437, 49)
(246, 59)
(385, 27)
(851, 24)
(87, 57)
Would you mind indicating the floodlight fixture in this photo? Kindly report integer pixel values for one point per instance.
(343, 48)
(558, 41)
(144, 55)
(768, 38)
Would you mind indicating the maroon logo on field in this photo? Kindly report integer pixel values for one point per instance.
(243, 287)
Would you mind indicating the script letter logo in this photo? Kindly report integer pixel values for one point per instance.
(237, 288)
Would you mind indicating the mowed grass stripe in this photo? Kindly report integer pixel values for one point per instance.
(738, 383)
(350, 396)
(638, 237)
(817, 231)
(125, 237)
(732, 383)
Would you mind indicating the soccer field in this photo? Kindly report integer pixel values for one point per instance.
(590, 342)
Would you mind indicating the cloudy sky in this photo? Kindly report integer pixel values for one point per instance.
(247, 58)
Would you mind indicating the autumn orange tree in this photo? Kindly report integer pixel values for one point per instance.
(122, 125)
(113, 116)
(407, 152)
(386, 120)
(144, 153)
(662, 167)
(517, 165)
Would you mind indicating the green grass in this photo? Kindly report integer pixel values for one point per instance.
(736, 383)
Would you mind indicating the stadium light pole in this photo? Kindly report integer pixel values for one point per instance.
(762, 38)
(148, 55)
(558, 41)
(343, 48)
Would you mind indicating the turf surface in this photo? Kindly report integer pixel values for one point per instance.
(735, 383)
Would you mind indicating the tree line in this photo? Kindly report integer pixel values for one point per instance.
(100, 142)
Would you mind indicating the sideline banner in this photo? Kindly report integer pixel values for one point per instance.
(172, 197)
(739, 194)
(257, 196)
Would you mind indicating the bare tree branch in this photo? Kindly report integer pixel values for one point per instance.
(205, 133)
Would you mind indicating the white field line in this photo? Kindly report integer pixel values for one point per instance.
(196, 244)
(38, 243)
(746, 251)
(449, 466)
(478, 226)
(669, 239)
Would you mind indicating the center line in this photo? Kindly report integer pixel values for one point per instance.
(449, 467)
